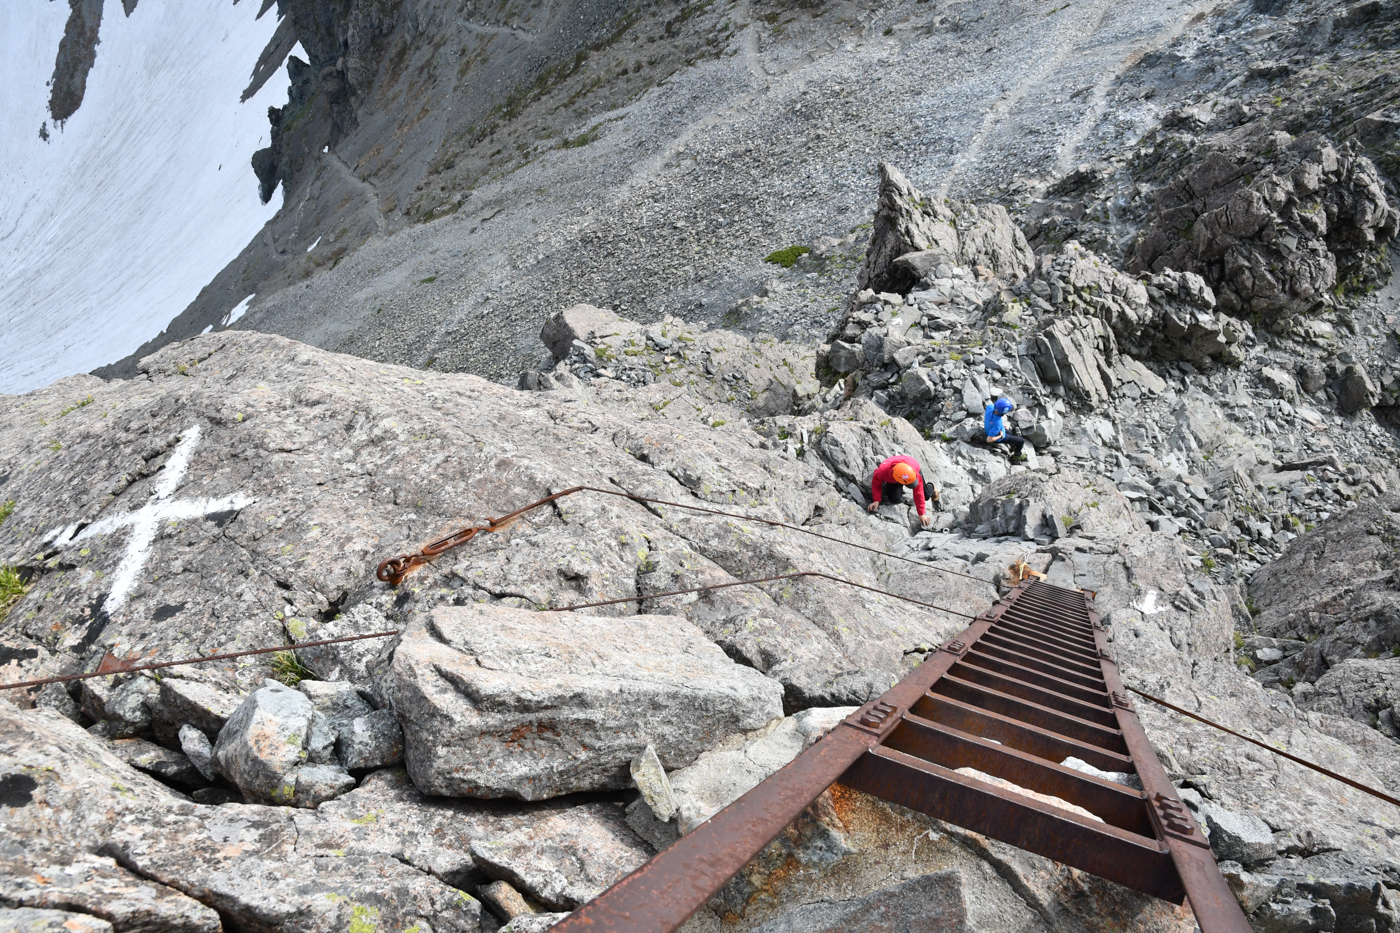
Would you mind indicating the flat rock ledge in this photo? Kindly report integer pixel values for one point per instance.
(500, 702)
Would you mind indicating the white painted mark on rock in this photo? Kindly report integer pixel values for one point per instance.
(1148, 604)
(145, 521)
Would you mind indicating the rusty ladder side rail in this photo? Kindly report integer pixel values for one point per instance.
(1029, 684)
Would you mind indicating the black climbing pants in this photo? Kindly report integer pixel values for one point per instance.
(1012, 441)
(892, 493)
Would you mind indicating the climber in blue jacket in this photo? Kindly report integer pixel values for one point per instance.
(994, 426)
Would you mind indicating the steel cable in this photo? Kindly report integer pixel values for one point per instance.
(395, 569)
(1282, 754)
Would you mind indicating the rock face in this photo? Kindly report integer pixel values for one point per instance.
(509, 702)
(39, 920)
(98, 886)
(1333, 597)
(1268, 220)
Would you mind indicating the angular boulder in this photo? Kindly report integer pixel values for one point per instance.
(1238, 837)
(501, 702)
(1355, 390)
(581, 322)
(183, 701)
(168, 765)
(267, 750)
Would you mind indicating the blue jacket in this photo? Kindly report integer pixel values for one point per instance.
(993, 423)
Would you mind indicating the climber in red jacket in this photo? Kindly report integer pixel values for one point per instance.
(889, 480)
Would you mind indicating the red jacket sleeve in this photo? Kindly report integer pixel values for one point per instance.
(919, 492)
(879, 478)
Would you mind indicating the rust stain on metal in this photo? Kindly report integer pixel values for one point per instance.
(1028, 684)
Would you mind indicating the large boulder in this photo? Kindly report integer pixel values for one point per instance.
(500, 702)
(185, 700)
(582, 323)
(275, 748)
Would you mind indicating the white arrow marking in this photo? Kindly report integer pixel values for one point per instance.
(145, 521)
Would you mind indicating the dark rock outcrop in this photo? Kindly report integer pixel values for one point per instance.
(77, 51)
(1273, 223)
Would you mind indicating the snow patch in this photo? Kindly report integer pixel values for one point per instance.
(313, 245)
(110, 228)
(239, 310)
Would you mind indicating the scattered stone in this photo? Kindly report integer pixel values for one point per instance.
(503, 900)
(650, 778)
(600, 690)
(1355, 390)
(534, 923)
(57, 698)
(1280, 383)
(845, 357)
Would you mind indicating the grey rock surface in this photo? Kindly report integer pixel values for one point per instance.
(503, 900)
(374, 740)
(43, 920)
(1334, 589)
(581, 696)
(649, 777)
(1237, 837)
(127, 711)
(566, 859)
(386, 816)
(926, 904)
(184, 700)
(533, 923)
(1249, 201)
(96, 885)
(164, 763)
(730, 769)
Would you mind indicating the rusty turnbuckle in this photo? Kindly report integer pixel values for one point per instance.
(1029, 684)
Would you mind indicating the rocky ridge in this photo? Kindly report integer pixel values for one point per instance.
(419, 453)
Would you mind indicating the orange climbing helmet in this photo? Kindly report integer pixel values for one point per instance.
(904, 474)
